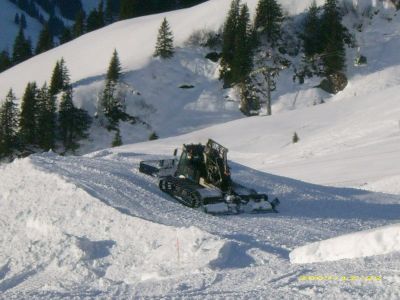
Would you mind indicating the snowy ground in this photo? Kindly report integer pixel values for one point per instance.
(93, 226)
(9, 30)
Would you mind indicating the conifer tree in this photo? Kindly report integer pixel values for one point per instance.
(66, 80)
(100, 15)
(165, 41)
(114, 68)
(117, 139)
(73, 122)
(22, 49)
(112, 101)
(66, 36)
(229, 42)
(237, 49)
(242, 61)
(268, 20)
(127, 9)
(153, 136)
(295, 138)
(56, 81)
(333, 36)
(28, 116)
(66, 120)
(8, 125)
(60, 78)
(95, 19)
(249, 98)
(5, 61)
(45, 41)
(23, 24)
(46, 119)
(79, 26)
(312, 39)
(109, 12)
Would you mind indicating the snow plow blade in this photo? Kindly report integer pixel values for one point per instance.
(158, 168)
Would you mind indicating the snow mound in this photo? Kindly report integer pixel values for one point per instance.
(378, 241)
(55, 236)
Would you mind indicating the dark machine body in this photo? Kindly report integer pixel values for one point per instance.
(201, 179)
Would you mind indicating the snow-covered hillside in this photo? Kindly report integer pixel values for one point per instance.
(9, 30)
(155, 84)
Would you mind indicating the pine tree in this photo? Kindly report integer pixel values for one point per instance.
(5, 61)
(66, 80)
(56, 81)
(153, 136)
(333, 36)
(66, 121)
(109, 12)
(268, 20)
(45, 41)
(242, 61)
(8, 125)
(117, 139)
(23, 24)
(56, 25)
(165, 41)
(73, 122)
(127, 9)
(114, 68)
(229, 42)
(22, 49)
(46, 119)
(112, 101)
(60, 78)
(100, 15)
(249, 99)
(312, 32)
(28, 116)
(66, 36)
(79, 26)
(295, 138)
(95, 19)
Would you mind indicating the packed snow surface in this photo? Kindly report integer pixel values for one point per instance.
(55, 235)
(93, 226)
(371, 242)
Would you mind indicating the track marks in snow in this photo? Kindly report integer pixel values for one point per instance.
(257, 254)
(4, 270)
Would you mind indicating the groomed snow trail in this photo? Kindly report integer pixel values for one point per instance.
(95, 226)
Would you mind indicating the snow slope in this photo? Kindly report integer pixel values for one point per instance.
(377, 241)
(93, 226)
(169, 109)
(352, 142)
(9, 30)
(55, 235)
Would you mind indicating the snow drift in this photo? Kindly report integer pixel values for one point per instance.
(54, 235)
(371, 242)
